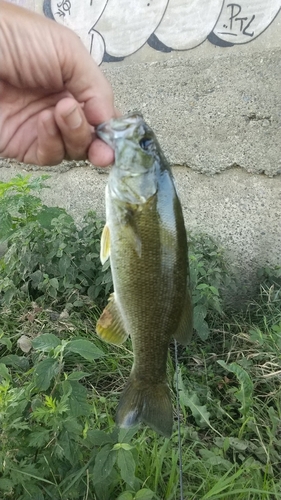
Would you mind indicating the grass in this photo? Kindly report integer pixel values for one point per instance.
(60, 384)
(233, 451)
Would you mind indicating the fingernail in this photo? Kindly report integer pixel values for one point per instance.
(73, 119)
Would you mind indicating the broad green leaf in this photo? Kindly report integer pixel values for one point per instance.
(203, 330)
(6, 341)
(36, 278)
(54, 283)
(103, 489)
(126, 464)
(9, 294)
(126, 435)
(78, 303)
(68, 446)
(76, 375)
(64, 264)
(39, 438)
(15, 411)
(78, 403)
(6, 226)
(45, 372)
(18, 362)
(104, 463)
(46, 342)
(123, 446)
(86, 265)
(238, 444)
(73, 427)
(97, 437)
(85, 348)
(199, 412)
(6, 485)
(92, 292)
(202, 286)
(191, 400)
(199, 322)
(245, 393)
(145, 494)
(47, 214)
(4, 372)
(212, 459)
(126, 495)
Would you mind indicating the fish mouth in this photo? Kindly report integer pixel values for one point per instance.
(118, 128)
(105, 132)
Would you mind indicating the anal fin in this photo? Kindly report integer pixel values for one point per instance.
(110, 326)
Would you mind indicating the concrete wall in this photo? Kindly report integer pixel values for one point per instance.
(215, 106)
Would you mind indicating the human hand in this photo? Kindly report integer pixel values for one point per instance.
(52, 94)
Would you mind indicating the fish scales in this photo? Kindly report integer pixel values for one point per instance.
(146, 240)
(149, 289)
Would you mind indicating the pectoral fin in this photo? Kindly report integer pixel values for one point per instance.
(110, 325)
(185, 328)
(105, 244)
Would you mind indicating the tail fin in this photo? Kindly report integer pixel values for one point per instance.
(142, 401)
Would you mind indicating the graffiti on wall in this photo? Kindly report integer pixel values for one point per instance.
(115, 29)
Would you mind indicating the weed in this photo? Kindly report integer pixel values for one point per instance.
(59, 383)
(209, 276)
(47, 254)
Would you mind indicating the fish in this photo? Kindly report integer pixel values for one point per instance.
(145, 239)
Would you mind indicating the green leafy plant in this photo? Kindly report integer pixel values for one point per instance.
(209, 275)
(52, 445)
(18, 206)
(59, 384)
(47, 254)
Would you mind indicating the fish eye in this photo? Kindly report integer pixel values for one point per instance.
(145, 143)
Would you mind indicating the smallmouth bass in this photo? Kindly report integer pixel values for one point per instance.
(145, 239)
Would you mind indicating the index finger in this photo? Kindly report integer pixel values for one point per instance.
(86, 82)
